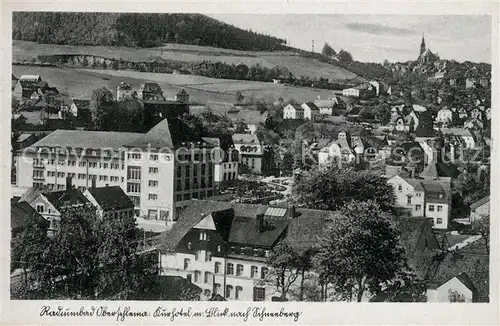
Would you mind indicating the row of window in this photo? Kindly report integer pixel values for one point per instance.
(138, 156)
(113, 166)
(194, 195)
(229, 176)
(432, 208)
(187, 170)
(194, 185)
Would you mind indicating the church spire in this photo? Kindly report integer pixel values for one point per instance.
(422, 45)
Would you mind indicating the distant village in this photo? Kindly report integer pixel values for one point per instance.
(215, 223)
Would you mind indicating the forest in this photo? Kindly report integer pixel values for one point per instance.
(137, 30)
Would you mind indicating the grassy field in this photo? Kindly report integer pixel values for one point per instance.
(299, 66)
(79, 83)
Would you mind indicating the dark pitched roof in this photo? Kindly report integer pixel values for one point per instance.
(20, 212)
(312, 106)
(82, 104)
(111, 198)
(418, 240)
(65, 197)
(168, 133)
(86, 139)
(239, 222)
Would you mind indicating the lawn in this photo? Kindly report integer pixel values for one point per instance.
(299, 66)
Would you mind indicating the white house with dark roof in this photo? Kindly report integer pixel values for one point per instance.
(459, 288)
(110, 202)
(250, 150)
(311, 112)
(224, 247)
(293, 111)
(337, 149)
(427, 196)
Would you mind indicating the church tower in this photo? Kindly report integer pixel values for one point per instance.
(422, 45)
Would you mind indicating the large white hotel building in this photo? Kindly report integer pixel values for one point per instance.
(160, 170)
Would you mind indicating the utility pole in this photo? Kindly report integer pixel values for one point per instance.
(312, 46)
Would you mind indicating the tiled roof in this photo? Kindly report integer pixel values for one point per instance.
(240, 221)
(86, 139)
(312, 106)
(60, 198)
(169, 133)
(111, 198)
(480, 202)
(20, 212)
(247, 139)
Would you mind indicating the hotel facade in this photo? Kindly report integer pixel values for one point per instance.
(160, 170)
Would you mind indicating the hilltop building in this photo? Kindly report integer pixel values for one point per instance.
(426, 56)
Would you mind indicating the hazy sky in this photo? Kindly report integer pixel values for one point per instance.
(377, 37)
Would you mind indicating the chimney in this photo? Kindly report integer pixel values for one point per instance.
(94, 181)
(260, 222)
(292, 211)
(68, 183)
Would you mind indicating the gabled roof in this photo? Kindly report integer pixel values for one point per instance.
(296, 107)
(168, 133)
(480, 202)
(240, 223)
(61, 198)
(20, 212)
(150, 87)
(311, 106)
(247, 139)
(111, 198)
(82, 104)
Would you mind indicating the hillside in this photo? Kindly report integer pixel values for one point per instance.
(80, 83)
(23, 51)
(136, 30)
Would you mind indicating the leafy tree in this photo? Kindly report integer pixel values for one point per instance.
(361, 250)
(344, 56)
(88, 258)
(482, 225)
(328, 50)
(315, 189)
(100, 101)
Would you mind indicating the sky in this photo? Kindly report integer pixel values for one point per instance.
(373, 38)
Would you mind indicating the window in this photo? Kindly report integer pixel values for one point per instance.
(263, 272)
(208, 277)
(419, 194)
(203, 235)
(152, 196)
(409, 200)
(431, 208)
(134, 173)
(237, 293)
(197, 276)
(219, 248)
(440, 208)
(152, 214)
(439, 220)
(133, 187)
(217, 268)
(153, 183)
(105, 165)
(400, 188)
(208, 256)
(239, 270)
(178, 185)
(254, 270)
(189, 245)
(230, 269)
(217, 287)
(153, 157)
(179, 171)
(186, 263)
(153, 170)
(229, 289)
(39, 208)
(178, 197)
(418, 207)
(188, 277)
(197, 255)
(259, 294)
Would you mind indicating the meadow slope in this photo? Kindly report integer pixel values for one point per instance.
(299, 66)
(79, 83)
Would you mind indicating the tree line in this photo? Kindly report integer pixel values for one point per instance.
(137, 30)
